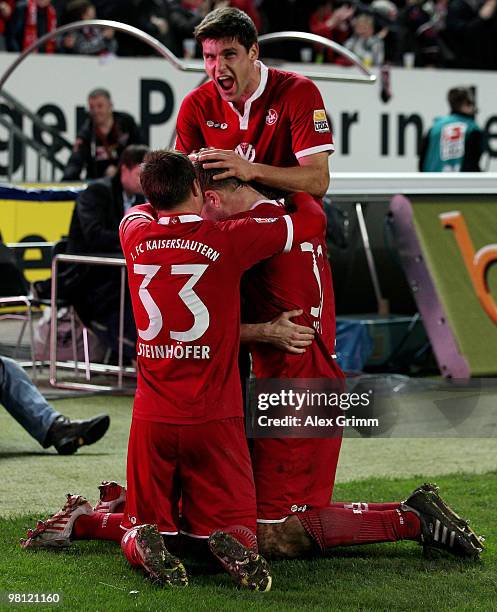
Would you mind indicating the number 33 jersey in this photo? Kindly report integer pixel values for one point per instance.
(184, 278)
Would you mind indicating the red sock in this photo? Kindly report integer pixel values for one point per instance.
(244, 535)
(98, 526)
(360, 507)
(128, 546)
(330, 527)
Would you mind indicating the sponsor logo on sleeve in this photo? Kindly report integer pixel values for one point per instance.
(265, 219)
(321, 121)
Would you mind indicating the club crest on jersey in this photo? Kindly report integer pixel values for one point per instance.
(271, 117)
(246, 150)
(215, 124)
(265, 219)
(321, 121)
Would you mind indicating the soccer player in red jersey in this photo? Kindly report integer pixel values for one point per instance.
(187, 436)
(294, 477)
(285, 469)
(264, 124)
(269, 126)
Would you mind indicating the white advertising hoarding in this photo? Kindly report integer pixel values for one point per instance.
(370, 136)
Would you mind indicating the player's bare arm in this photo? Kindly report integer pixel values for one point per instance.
(311, 176)
(281, 332)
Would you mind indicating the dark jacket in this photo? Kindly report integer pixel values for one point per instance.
(94, 230)
(182, 22)
(95, 153)
(471, 38)
(95, 221)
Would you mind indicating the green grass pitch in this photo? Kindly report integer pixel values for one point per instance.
(95, 576)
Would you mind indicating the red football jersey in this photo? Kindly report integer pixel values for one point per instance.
(184, 278)
(284, 120)
(300, 279)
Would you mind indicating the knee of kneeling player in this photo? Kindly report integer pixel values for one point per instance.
(283, 540)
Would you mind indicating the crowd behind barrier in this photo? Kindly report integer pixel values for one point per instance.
(422, 33)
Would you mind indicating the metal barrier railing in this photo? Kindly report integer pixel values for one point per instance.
(100, 368)
(365, 77)
(42, 152)
(16, 104)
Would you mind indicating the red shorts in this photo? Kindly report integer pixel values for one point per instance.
(206, 465)
(293, 475)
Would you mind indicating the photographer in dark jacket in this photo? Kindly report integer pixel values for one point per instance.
(455, 142)
(94, 290)
(101, 139)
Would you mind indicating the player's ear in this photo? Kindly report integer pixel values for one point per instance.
(253, 52)
(212, 199)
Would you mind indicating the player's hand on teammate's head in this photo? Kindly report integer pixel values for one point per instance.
(194, 155)
(230, 162)
(288, 336)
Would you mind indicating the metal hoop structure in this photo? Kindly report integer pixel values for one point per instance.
(99, 23)
(366, 77)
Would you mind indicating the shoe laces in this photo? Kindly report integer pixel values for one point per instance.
(42, 526)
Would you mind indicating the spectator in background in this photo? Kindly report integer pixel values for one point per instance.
(88, 40)
(282, 15)
(94, 231)
(472, 33)
(333, 22)
(6, 9)
(149, 16)
(454, 143)
(386, 15)
(420, 23)
(60, 7)
(101, 139)
(247, 6)
(112, 9)
(31, 20)
(169, 21)
(367, 45)
(173, 21)
(184, 16)
(30, 409)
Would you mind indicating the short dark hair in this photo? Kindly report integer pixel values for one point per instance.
(100, 91)
(133, 155)
(227, 22)
(206, 178)
(166, 178)
(206, 181)
(457, 96)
